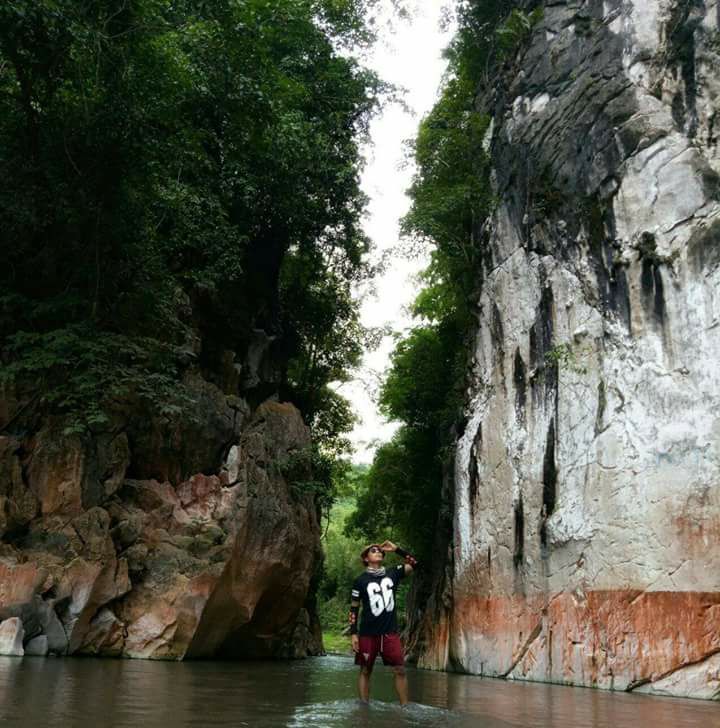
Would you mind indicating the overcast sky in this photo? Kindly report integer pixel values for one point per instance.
(408, 55)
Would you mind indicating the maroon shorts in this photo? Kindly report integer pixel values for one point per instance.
(387, 645)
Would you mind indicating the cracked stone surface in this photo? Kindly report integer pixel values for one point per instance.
(95, 562)
(587, 483)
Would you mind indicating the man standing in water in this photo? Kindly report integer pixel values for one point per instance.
(378, 633)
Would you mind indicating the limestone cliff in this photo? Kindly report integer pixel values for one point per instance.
(586, 537)
(160, 539)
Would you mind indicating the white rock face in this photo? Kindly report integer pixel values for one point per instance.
(587, 489)
(233, 464)
(11, 637)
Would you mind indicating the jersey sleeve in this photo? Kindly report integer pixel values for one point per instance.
(399, 573)
(355, 591)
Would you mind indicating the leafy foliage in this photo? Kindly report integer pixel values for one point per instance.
(451, 197)
(341, 567)
(315, 472)
(326, 338)
(516, 27)
(402, 497)
(82, 370)
(173, 172)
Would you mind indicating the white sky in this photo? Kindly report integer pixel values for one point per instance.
(408, 55)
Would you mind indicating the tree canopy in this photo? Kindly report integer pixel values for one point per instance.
(178, 174)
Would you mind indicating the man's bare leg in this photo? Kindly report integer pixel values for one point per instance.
(401, 684)
(364, 684)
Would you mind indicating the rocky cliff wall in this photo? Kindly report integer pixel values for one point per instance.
(160, 539)
(586, 541)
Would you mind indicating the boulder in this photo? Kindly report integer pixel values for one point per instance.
(37, 646)
(11, 637)
(105, 635)
(52, 628)
(262, 589)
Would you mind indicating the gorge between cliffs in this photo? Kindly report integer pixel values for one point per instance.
(171, 437)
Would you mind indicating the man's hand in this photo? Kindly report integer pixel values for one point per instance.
(388, 546)
(355, 641)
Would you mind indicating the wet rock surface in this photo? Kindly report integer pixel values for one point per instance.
(586, 492)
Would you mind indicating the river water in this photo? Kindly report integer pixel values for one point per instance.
(86, 693)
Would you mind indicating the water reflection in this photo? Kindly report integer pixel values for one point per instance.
(320, 692)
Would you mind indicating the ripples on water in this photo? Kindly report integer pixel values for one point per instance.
(354, 713)
(318, 692)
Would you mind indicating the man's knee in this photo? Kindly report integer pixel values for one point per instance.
(399, 670)
(365, 670)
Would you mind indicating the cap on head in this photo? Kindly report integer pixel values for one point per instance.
(364, 552)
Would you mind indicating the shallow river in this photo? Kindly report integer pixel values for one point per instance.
(320, 692)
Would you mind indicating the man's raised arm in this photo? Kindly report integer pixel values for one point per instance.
(410, 561)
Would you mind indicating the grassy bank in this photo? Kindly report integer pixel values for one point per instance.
(336, 644)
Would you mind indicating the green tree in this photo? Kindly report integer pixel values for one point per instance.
(342, 562)
(451, 197)
(172, 171)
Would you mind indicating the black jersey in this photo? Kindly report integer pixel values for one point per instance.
(377, 594)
